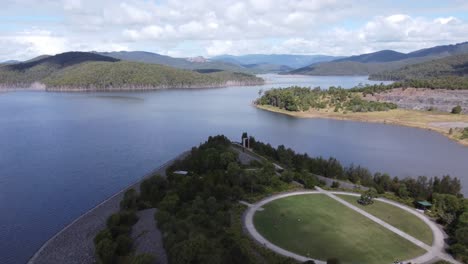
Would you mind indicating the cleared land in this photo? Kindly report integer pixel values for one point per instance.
(403, 117)
(319, 227)
(396, 217)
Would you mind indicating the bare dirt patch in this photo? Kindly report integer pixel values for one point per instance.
(424, 99)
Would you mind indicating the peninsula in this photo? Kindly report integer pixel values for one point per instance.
(373, 104)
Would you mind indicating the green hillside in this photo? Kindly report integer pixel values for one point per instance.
(89, 71)
(133, 75)
(380, 61)
(456, 65)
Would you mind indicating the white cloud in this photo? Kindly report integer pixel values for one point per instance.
(206, 27)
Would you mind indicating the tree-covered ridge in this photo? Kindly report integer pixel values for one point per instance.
(89, 71)
(103, 75)
(302, 99)
(25, 73)
(453, 66)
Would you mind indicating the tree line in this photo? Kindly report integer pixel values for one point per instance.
(296, 98)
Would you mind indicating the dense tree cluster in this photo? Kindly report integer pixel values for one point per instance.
(195, 211)
(302, 99)
(453, 212)
(113, 243)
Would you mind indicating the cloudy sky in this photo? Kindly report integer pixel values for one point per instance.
(186, 28)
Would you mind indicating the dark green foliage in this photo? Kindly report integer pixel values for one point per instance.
(367, 198)
(335, 184)
(143, 259)
(103, 234)
(153, 189)
(115, 240)
(302, 99)
(333, 261)
(105, 250)
(130, 200)
(124, 245)
(456, 110)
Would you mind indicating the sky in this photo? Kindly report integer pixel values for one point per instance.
(188, 28)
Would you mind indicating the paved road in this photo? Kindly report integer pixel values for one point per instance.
(435, 251)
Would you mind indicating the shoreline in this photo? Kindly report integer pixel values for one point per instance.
(62, 247)
(368, 118)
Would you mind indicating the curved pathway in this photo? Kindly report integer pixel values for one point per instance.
(435, 251)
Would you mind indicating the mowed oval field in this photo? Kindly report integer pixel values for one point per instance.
(396, 217)
(318, 227)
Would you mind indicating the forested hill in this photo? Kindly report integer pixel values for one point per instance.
(82, 71)
(456, 65)
(385, 60)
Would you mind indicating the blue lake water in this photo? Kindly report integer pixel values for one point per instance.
(63, 153)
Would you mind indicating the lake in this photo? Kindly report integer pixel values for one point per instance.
(63, 153)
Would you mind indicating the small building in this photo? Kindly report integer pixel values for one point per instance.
(423, 205)
(180, 172)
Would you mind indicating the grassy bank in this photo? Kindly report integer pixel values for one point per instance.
(319, 227)
(411, 118)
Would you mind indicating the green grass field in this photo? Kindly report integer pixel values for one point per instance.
(319, 227)
(398, 218)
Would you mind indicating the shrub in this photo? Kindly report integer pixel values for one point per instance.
(456, 110)
(105, 251)
(103, 234)
(143, 259)
(333, 261)
(129, 202)
(124, 245)
(335, 184)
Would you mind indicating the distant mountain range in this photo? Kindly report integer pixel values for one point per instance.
(280, 60)
(84, 71)
(379, 61)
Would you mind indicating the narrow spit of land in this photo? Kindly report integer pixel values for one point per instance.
(74, 243)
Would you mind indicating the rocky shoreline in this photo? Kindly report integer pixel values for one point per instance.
(423, 98)
(74, 243)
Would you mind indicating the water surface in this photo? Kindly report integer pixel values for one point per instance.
(63, 153)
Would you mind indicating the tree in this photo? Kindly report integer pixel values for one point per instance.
(143, 259)
(457, 110)
(403, 191)
(367, 197)
(333, 261)
(105, 251)
(335, 184)
(446, 206)
(462, 236)
(124, 245)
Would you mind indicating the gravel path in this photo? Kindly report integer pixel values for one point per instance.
(147, 238)
(74, 243)
(433, 252)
